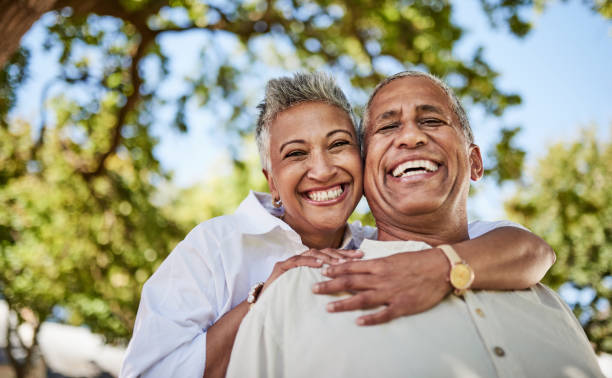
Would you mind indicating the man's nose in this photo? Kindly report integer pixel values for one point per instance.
(321, 167)
(411, 135)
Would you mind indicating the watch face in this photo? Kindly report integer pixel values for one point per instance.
(461, 276)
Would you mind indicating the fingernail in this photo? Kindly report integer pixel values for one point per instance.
(330, 307)
(319, 261)
(360, 321)
(340, 261)
(316, 288)
(325, 270)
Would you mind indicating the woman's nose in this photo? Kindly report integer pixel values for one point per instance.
(321, 167)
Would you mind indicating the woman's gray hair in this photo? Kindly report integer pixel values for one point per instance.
(285, 92)
(455, 103)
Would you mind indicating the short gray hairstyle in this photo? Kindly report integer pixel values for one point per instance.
(455, 103)
(285, 92)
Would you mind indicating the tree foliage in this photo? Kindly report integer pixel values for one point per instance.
(85, 245)
(569, 204)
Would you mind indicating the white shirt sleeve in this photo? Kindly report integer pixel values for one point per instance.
(479, 228)
(178, 303)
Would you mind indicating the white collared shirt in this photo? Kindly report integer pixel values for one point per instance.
(209, 273)
(522, 333)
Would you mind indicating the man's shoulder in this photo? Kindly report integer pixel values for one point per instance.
(282, 293)
(480, 227)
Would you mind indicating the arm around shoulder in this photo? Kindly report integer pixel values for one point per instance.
(506, 258)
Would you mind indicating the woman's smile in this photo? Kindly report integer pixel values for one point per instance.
(327, 196)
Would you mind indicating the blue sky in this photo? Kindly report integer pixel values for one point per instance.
(562, 70)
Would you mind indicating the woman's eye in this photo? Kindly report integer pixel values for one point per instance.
(339, 143)
(295, 153)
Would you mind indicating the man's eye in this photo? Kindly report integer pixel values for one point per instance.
(389, 126)
(431, 122)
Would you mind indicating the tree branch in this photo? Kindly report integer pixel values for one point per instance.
(146, 38)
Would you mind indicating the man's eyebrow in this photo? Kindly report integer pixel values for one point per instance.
(430, 108)
(387, 115)
(338, 131)
(290, 142)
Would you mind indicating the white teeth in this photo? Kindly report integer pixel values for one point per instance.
(421, 166)
(326, 195)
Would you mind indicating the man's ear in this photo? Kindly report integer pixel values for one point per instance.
(271, 184)
(476, 166)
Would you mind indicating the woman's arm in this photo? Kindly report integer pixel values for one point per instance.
(221, 335)
(220, 339)
(506, 258)
(412, 282)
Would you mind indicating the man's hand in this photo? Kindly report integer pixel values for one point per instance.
(313, 258)
(406, 283)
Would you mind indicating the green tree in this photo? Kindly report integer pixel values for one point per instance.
(568, 201)
(85, 244)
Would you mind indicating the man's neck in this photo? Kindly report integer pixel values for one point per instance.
(433, 231)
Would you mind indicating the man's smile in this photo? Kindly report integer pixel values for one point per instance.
(414, 167)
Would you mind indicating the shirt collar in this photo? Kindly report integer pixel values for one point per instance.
(378, 248)
(257, 215)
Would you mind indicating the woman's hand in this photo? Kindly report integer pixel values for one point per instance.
(314, 258)
(405, 283)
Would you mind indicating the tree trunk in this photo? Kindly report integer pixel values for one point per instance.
(16, 18)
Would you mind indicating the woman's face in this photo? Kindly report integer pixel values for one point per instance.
(316, 167)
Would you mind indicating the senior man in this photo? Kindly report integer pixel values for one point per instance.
(419, 159)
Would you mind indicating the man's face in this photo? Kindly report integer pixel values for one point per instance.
(417, 161)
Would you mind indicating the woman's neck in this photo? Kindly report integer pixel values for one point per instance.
(324, 240)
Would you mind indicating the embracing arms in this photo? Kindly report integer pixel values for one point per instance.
(409, 283)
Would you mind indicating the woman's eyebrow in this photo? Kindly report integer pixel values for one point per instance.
(290, 142)
(338, 131)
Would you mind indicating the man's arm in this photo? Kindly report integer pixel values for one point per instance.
(409, 283)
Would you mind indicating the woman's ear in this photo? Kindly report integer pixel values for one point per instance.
(476, 165)
(271, 185)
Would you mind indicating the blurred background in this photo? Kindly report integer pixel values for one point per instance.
(124, 123)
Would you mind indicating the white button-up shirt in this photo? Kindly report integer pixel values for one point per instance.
(208, 274)
(522, 333)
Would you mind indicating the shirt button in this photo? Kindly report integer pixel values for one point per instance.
(500, 352)
(480, 312)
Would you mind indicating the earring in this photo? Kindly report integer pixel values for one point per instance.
(277, 203)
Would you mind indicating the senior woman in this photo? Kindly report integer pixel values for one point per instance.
(192, 306)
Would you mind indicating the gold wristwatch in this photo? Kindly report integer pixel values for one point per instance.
(461, 273)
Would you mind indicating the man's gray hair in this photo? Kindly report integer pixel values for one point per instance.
(454, 100)
(285, 92)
